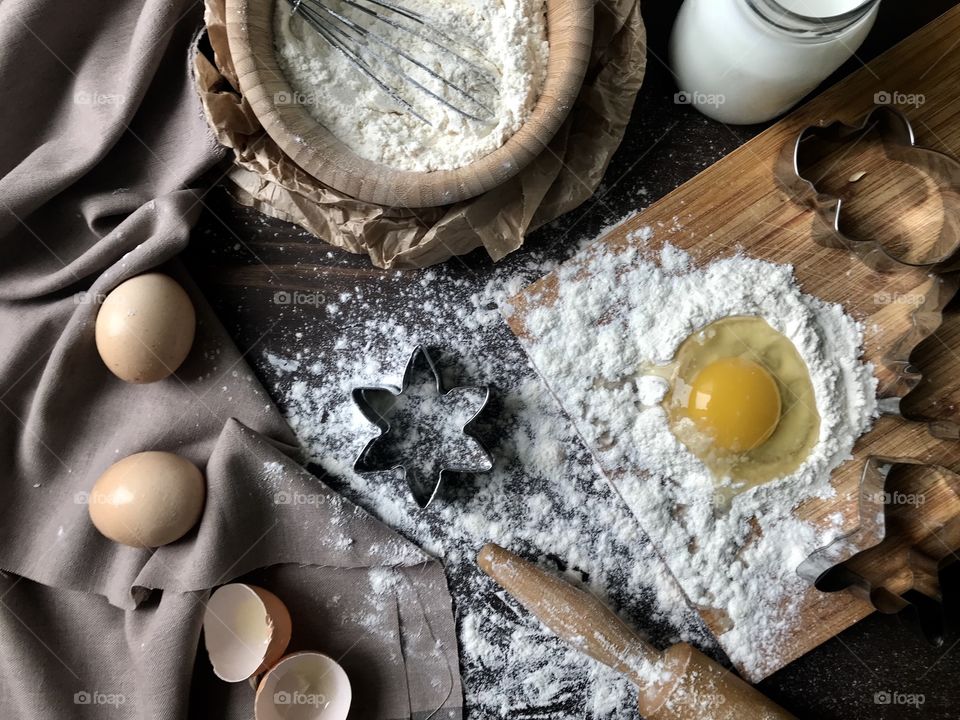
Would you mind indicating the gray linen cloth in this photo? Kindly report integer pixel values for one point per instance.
(102, 136)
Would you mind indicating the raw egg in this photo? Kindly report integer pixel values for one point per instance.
(741, 400)
(736, 402)
(304, 686)
(145, 328)
(246, 630)
(148, 499)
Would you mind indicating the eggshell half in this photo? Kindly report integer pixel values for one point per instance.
(304, 686)
(145, 328)
(148, 499)
(246, 630)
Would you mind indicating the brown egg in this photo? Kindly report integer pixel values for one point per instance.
(145, 328)
(148, 499)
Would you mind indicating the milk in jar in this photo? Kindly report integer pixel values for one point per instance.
(747, 61)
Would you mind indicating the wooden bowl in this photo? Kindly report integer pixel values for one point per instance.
(320, 153)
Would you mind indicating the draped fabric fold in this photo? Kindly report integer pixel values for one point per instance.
(104, 151)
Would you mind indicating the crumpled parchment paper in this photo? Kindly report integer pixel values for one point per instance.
(562, 177)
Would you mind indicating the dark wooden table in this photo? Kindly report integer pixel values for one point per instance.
(242, 258)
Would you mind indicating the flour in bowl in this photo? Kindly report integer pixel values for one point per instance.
(510, 34)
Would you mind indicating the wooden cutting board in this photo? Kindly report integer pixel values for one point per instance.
(736, 205)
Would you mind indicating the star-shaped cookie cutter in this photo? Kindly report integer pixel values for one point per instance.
(362, 397)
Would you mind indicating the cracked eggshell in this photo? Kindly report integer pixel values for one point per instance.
(246, 630)
(305, 686)
(145, 328)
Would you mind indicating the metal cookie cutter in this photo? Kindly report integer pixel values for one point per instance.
(900, 145)
(906, 535)
(375, 403)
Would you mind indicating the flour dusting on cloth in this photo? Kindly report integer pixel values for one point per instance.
(507, 39)
(616, 314)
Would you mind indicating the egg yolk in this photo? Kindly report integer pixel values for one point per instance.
(735, 402)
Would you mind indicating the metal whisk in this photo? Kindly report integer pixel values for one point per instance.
(408, 80)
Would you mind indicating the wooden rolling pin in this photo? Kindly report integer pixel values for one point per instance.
(681, 683)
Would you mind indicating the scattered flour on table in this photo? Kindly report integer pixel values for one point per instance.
(510, 33)
(544, 498)
(593, 358)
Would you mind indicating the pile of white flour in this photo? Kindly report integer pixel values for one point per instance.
(509, 34)
(628, 312)
(544, 498)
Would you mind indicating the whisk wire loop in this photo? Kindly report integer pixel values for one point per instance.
(364, 48)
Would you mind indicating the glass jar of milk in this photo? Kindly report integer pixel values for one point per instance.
(746, 61)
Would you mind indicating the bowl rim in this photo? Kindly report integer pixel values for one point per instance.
(324, 156)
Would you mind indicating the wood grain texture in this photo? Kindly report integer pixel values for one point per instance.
(327, 158)
(922, 528)
(737, 205)
(904, 211)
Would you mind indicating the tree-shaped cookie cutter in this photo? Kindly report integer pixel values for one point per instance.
(899, 143)
(893, 558)
(365, 400)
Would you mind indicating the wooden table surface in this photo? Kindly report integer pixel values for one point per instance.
(242, 258)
